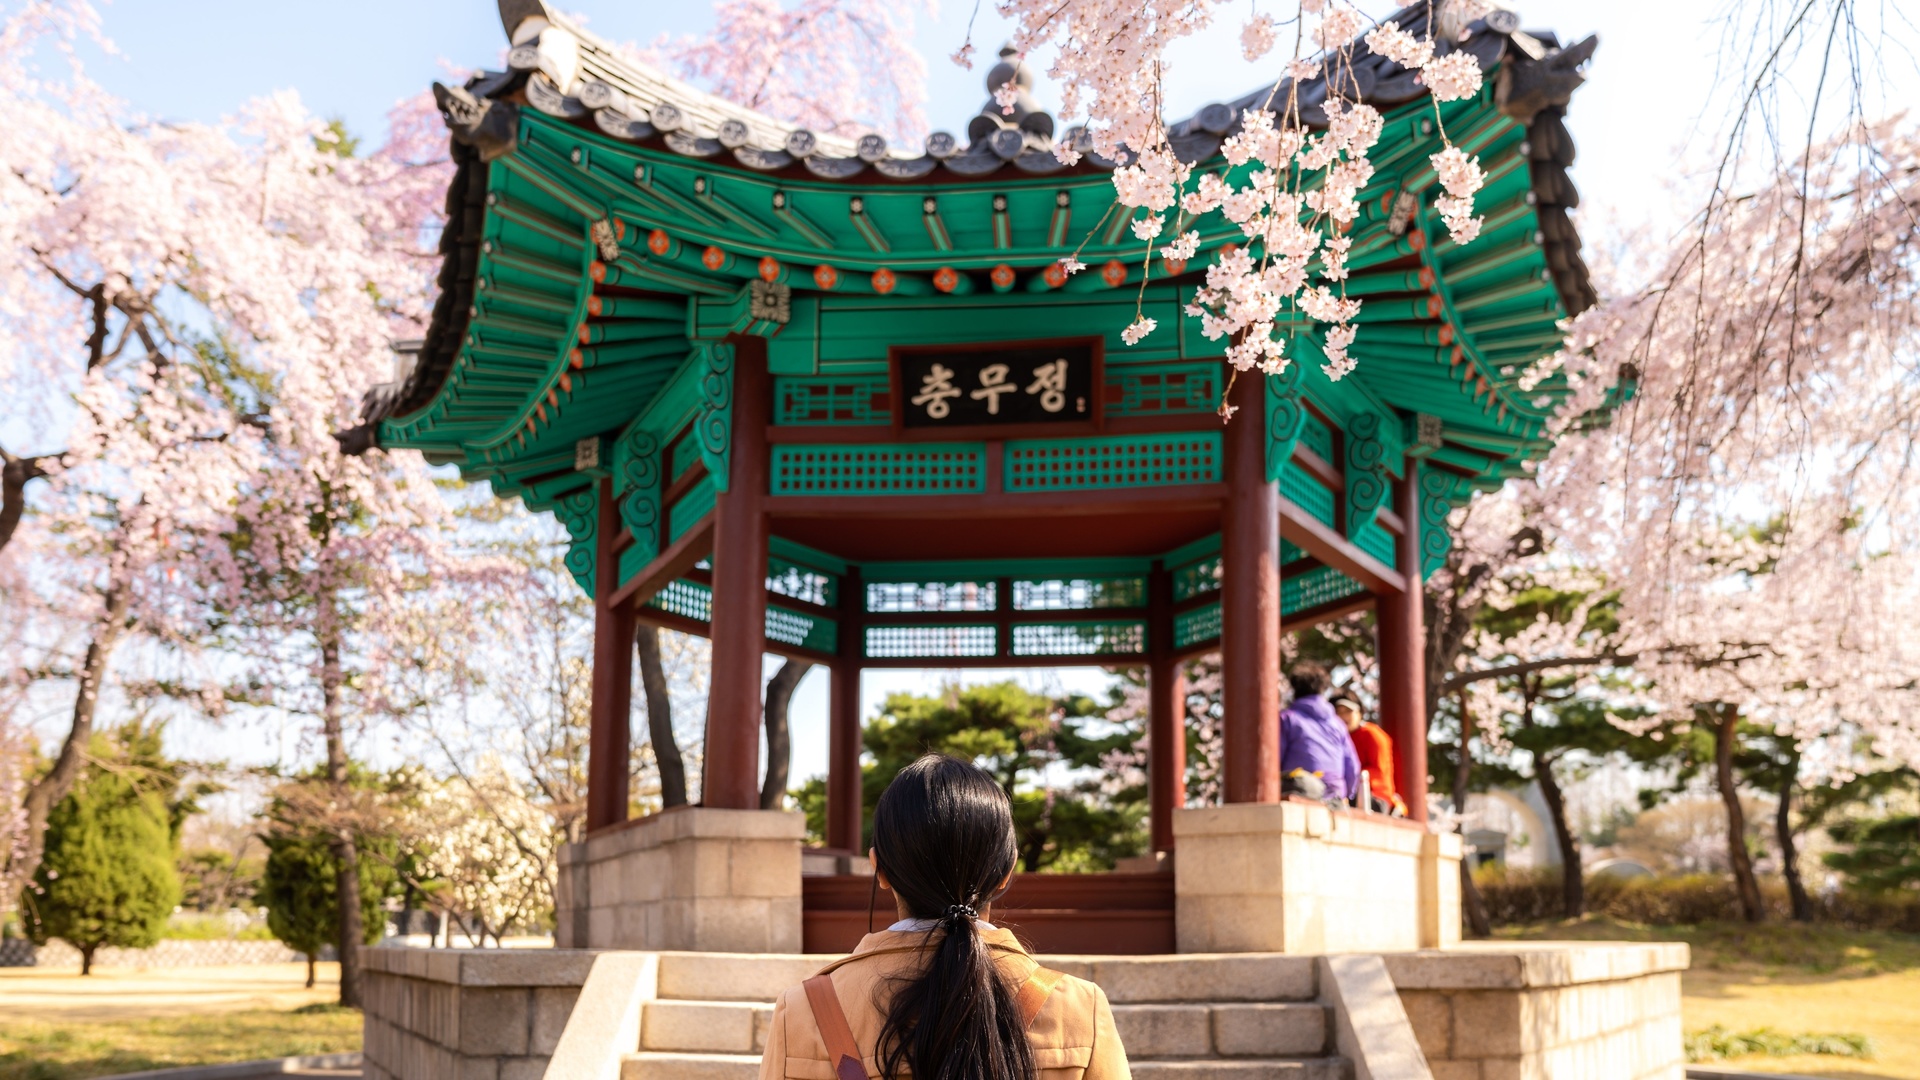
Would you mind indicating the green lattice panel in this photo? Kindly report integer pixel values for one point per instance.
(802, 582)
(920, 469)
(839, 401)
(1079, 639)
(1195, 578)
(683, 455)
(690, 508)
(1114, 462)
(885, 597)
(1163, 389)
(1321, 585)
(1307, 493)
(1290, 553)
(687, 599)
(1075, 594)
(1316, 436)
(806, 631)
(932, 642)
(1200, 624)
(1376, 541)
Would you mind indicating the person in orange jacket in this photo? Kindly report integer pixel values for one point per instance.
(1375, 748)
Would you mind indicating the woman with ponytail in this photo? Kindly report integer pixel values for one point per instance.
(943, 994)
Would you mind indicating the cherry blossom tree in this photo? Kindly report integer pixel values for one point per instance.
(842, 66)
(1109, 57)
(202, 304)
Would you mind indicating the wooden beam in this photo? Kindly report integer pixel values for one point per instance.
(1069, 660)
(609, 741)
(1250, 610)
(1166, 714)
(1401, 646)
(1307, 533)
(846, 808)
(800, 434)
(694, 544)
(732, 777)
(1173, 497)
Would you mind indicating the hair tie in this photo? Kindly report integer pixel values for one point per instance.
(958, 912)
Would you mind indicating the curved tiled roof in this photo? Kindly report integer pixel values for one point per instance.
(571, 78)
(564, 71)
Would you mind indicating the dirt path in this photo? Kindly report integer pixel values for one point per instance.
(127, 994)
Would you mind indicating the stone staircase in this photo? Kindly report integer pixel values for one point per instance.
(1180, 1017)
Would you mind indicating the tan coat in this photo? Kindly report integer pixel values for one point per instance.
(1073, 1037)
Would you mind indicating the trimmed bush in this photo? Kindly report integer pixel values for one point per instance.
(1531, 896)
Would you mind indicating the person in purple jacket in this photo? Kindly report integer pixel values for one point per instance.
(1314, 743)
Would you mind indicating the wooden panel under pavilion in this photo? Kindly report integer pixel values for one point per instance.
(831, 400)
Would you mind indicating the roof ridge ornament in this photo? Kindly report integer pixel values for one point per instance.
(490, 127)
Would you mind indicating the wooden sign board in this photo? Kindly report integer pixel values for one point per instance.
(1049, 386)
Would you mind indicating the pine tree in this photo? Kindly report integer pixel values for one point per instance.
(300, 885)
(108, 875)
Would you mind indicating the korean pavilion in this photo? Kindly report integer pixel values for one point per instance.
(835, 399)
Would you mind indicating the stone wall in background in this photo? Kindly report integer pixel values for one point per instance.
(170, 953)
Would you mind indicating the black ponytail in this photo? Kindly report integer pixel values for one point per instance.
(943, 835)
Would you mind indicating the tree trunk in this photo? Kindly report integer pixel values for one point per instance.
(1797, 897)
(345, 850)
(773, 792)
(1573, 886)
(1725, 734)
(311, 961)
(15, 472)
(86, 959)
(1472, 905)
(45, 793)
(666, 751)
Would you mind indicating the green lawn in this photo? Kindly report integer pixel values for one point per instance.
(74, 1050)
(1778, 983)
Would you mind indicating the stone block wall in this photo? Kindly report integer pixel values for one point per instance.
(1551, 1010)
(691, 878)
(1294, 877)
(467, 1014)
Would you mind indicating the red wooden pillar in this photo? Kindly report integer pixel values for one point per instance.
(1401, 624)
(1250, 604)
(845, 809)
(608, 740)
(1166, 720)
(732, 778)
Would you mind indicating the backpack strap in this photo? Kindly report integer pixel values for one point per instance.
(1033, 994)
(832, 1021)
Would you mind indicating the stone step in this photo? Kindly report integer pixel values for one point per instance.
(1317, 1068)
(1233, 1029)
(1134, 980)
(657, 1065)
(715, 1027)
(1126, 979)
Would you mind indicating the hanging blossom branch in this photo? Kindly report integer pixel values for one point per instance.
(1301, 195)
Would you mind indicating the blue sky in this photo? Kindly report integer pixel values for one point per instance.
(1638, 119)
(198, 59)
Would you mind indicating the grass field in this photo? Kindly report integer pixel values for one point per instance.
(57, 1025)
(1792, 979)
(70, 1050)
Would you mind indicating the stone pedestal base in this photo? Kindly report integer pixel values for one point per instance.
(1545, 1010)
(693, 879)
(1294, 877)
